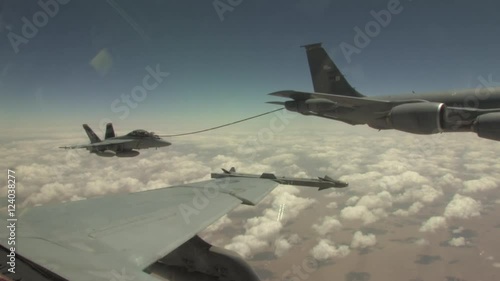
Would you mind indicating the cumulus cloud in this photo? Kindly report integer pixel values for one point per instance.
(261, 231)
(352, 201)
(373, 201)
(361, 241)
(246, 245)
(332, 205)
(483, 184)
(412, 210)
(292, 204)
(326, 249)
(283, 159)
(433, 224)
(283, 244)
(51, 178)
(407, 179)
(422, 242)
(219, 224)
(462, 207)
(361, 179)
(358, 213)
(327, 225)
(457, 242)
(334, 194)
(424, 193)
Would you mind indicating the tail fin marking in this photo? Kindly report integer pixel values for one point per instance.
(92, 136)
(326, 76)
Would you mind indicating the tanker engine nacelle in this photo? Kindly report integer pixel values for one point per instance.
(488, 126)
(422, 118)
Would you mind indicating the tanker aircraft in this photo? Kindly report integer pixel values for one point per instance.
(470, 110)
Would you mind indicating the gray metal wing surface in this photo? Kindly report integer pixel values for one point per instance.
(98, 238)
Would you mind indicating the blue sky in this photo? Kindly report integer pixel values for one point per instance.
(221, 70)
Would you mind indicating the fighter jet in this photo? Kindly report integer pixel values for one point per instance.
(137, 236)
(321, 182)
(469, 110)
(121, 146)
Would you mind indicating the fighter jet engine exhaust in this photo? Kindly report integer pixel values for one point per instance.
(199, 260)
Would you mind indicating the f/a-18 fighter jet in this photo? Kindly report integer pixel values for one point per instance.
(321, 182)
(137, 236)
(121, 146)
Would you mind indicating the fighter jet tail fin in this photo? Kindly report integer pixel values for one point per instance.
(92, 136)
(326, 76)
(110, 132)
(326, 177)
(232, 170)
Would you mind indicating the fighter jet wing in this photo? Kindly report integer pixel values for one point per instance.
(99, 238)
(344, 101)
(98, 144)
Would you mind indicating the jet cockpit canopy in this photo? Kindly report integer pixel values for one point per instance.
(142, 133)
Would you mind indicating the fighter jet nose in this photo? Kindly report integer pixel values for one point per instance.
(165, 143)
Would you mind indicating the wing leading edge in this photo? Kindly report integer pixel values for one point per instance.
(104, 143)
(344, 101)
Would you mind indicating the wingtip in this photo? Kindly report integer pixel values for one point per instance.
(276, 102)
(284, 93)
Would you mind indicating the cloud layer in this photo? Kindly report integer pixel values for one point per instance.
(426, 183)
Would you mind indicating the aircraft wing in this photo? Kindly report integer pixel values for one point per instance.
(344, 101)
(99, 238)
(98, 144)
